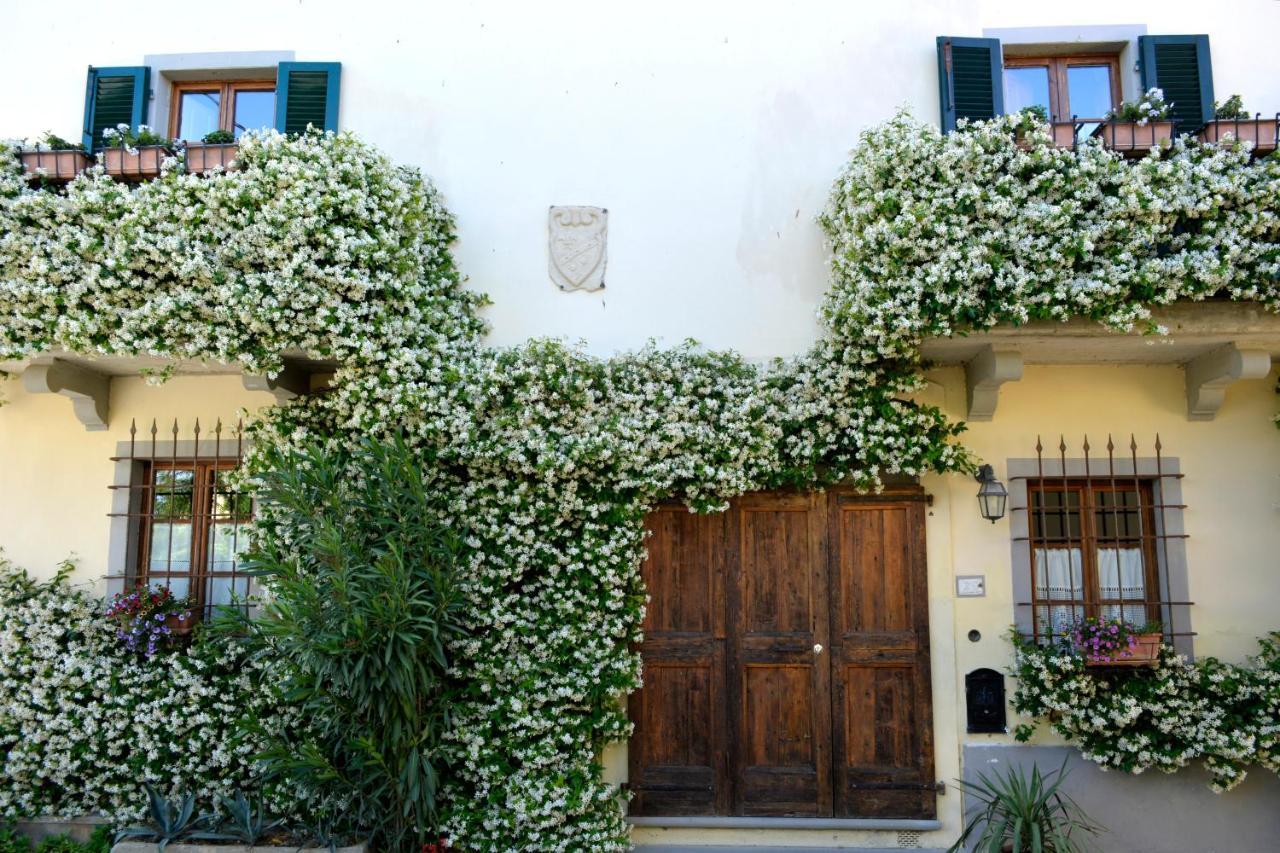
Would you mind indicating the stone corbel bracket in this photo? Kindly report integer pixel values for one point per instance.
(88, 390)
(1209, 375)
(983, 376)
(297, 379)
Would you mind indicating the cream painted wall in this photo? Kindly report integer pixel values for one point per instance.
(1232, 492)
(711, 130)
(54, 474)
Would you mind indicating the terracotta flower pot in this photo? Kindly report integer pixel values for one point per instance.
(136, 165)
(1145, 652)
(179, 627)
(1063, 133)
(1262, 132)
(205, 156)
(1133, 139)
(54, 165)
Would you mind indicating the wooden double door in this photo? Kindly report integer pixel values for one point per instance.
(786, 660)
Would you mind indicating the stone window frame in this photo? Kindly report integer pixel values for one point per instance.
(131, 464)
(1172, 568)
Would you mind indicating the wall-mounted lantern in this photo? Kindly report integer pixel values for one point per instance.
(992, 495)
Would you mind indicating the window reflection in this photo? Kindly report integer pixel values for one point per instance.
(1026, 87)
(1089, 89)
(254, 110)
(199, 112)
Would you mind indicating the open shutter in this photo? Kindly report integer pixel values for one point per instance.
(307, 94)
(1180, 66)
(970, 79)
(114, 96)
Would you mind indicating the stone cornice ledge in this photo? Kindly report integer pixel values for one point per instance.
(711, 822)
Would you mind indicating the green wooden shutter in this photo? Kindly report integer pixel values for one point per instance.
(114, 96)
(1180, 66)
(970, 79)
(307, 94)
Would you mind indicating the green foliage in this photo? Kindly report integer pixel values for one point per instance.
(52, 142)
(1163, 717)
(1231, 109)
(85, 722)
(364, 600)
(246, 821)
(1036, 113)
(1024, 814)
(12, 842)
(1150, 107)
(219, 137)
(124, 136)
(168, 820)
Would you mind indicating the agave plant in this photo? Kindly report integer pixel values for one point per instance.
(1025, 815)
(169, 820)
(246, 822)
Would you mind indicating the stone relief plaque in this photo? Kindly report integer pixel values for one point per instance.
(577, 247)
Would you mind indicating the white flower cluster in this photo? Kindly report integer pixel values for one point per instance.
(85, 723)
(1225, 716)
(315, 244)
(550, 458)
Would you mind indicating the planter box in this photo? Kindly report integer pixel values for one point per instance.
(184, 847)
(203, 157)
(40, 828)
(1133, 139)
(1063, 133)
(1145, 653)
(122, 163)
(54, 165)
(1262, 132)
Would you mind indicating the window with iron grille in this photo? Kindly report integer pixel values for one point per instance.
(1092, 552)
(185, 519)
(1099, 535)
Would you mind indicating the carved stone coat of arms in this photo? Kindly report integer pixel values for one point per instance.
(577, 247)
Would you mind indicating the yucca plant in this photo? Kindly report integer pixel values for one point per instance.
(1021, 814)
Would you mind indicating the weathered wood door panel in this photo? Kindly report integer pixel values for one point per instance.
(786, 660)
(882, 732)
(778, 627)
(679, 752)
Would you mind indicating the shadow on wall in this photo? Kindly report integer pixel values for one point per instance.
(1154, 812)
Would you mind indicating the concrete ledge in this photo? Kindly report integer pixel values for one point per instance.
(720, 848)
(709, 822)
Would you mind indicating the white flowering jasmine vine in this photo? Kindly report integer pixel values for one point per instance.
(84, 723)
(551, 458)
(1225, 716)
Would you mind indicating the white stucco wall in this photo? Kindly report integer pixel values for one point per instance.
(711, 130)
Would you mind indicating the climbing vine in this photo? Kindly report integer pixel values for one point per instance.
(1162, 718)
(550, 458)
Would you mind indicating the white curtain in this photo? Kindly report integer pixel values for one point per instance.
(1059, 576)
(1121, 576)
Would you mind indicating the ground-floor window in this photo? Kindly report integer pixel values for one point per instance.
(786, 660)
(184, 517)
(193, 530)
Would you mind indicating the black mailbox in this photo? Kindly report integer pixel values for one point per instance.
(984, 698)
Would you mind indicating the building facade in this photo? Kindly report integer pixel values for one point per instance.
(810, 658)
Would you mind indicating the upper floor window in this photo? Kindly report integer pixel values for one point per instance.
(1066, 87)
(200, 108)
